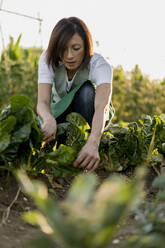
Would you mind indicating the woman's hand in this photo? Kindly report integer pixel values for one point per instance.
(49, 129)
(88, 158)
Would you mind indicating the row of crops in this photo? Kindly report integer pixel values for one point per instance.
(121, 147)
(136, 145)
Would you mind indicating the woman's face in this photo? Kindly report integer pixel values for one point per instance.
(74, 53)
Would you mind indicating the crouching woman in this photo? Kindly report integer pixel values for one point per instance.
(72, 78)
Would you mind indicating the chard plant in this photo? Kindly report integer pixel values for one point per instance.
(88, 217)
(19, 133)
(125, 146)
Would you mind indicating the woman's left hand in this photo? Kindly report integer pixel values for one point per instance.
(88, 158)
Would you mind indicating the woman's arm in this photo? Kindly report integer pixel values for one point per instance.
(49, 126)
(88, 157)
(102, 101)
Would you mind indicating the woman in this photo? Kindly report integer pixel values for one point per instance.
(67, 71)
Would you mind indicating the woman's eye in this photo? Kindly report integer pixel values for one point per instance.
(76, 48)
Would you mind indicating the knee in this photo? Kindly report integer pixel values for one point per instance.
(84, 101)
(86, 93)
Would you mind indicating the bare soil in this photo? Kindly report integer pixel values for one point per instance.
(15, 231)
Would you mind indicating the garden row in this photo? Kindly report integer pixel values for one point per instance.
(21, 142)
(134, 145)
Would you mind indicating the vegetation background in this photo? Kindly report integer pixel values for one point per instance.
(134, 94)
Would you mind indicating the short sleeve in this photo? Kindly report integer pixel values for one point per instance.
(101, 71)
(45, 73)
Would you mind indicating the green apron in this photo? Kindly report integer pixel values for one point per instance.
(60, 98)
(60, 86)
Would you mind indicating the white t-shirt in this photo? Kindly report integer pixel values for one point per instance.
(100, 71)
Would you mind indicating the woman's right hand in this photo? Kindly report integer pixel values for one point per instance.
(49, 128)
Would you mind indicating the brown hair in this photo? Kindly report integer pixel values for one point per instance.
(61, 34)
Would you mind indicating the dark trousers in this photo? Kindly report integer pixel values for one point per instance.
(83, 103)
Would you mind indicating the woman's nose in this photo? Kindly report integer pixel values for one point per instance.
(69, 54)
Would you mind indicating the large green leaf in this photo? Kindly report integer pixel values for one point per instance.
(77, 132)
(112, 200)
(78, 121)
(24, 116)
(64, 155)
(117, 130)
(82, 189)
(19, 101)
(75, 138)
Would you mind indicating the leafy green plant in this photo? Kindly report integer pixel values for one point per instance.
(89, 215)
(132, 145)
(60, 161)
(151, 221)
(124, 146)
(120, 146)
(21, 140)
(19, 133)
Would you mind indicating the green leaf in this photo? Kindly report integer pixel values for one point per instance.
(77, 132)
(64, 155)
(61, 128)
(24, 116)
(82, 189)
(8, 124)
(10, 153)
(19, 101)
(22, 134)
(75, 138)
(117, 130)
(77, 120)
(61, 171)
(146, 120)
(4, 141)
(18, 41)
(112, 200)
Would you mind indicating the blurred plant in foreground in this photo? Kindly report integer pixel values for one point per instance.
(151, 221)
(88, 217)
